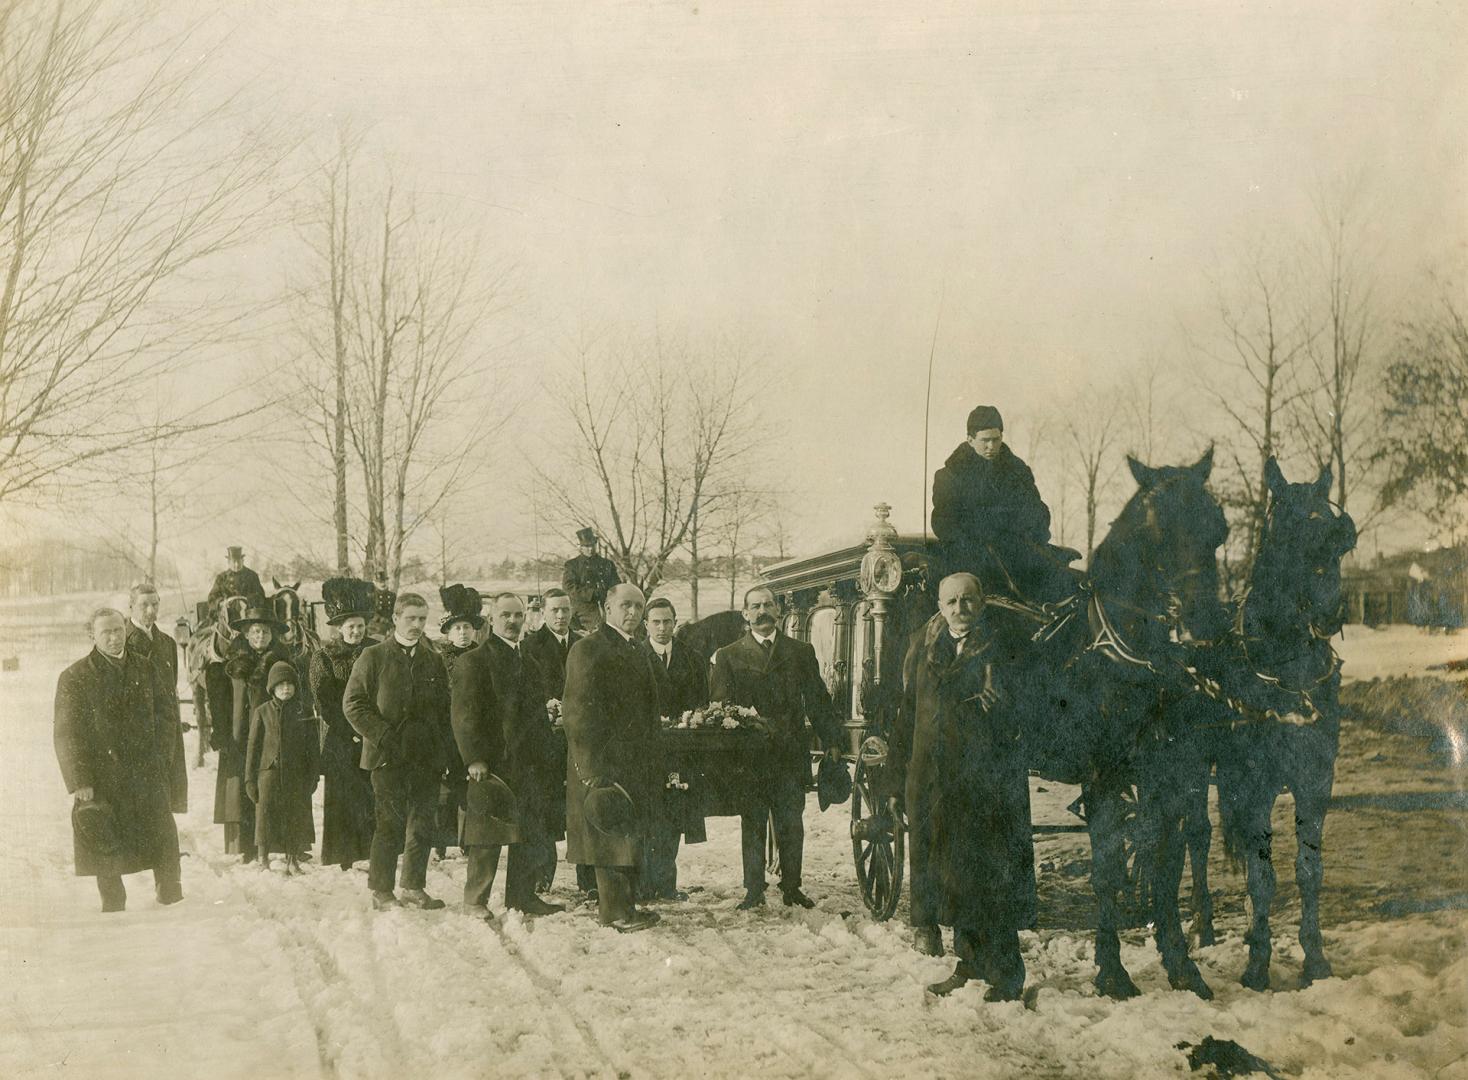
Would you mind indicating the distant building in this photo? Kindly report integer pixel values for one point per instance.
(1422, 588)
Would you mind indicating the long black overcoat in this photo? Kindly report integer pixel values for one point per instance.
(497, 703)
(682, 684)
(114, 725)
(785, 687)
(164, 651)
(611, 722)
(550, 656)
(347, 801)
(247, 670)
(970, 847)
(283, 760)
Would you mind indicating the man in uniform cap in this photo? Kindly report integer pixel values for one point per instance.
(238, 580)
(587, 578)
(990, 520)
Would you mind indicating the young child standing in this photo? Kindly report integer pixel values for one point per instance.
(282, 767)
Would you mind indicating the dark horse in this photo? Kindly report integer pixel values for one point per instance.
(1098, 689)
(1094, 686)
(1278, 718)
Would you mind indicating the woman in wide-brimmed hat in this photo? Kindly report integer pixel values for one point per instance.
(347, 802)
(256, 646)
(461, 621)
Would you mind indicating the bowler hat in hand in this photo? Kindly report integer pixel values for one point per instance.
(97, 827)
(495, 799)
(609, 810)
(833, 783)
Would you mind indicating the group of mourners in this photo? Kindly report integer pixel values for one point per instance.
(489, 738)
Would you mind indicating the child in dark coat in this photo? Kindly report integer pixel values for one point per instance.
(282, 766)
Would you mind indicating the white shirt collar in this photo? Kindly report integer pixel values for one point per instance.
(619, 630)
(404, 644)
(762, 638)
(661, 650)
(512, 644)
(562, 638)
(145, 629)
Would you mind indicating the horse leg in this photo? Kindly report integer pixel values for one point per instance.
(1108, 878)
(1168, 807)
(1311, 800)
(1258, 856)
(1198, 830)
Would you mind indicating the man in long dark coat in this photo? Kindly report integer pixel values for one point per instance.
(990, 520)
(238, 580)
(114, 736)
(780, 678)
(398, 701)
(548, 645)
(682, 684)
(346, 804)
(611, 771)
(145, 636)
(587, 578)
(967, 790)
(504, 737)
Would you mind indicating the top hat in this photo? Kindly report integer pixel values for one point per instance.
(461, 603)
(586, 535)
(346, 598)
(833, 783)
(610, 811)
(234, 552)
(255, 613)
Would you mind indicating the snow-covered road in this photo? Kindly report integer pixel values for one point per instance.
(263, 976)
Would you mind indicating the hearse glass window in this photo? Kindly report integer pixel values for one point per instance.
(823, 639)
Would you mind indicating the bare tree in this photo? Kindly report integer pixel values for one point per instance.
(1093, 435)
(397, 370)
(1425, 439)
(110, 212)
(654, 428)
(1333, 426)
(1261, 335)
(741, 512)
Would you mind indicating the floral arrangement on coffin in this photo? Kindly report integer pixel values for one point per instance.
(553, 710)
(718, 716)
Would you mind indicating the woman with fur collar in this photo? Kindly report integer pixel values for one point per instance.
(254, 648)
(347, 803)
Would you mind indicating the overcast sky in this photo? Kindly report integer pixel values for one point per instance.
(1065, 175)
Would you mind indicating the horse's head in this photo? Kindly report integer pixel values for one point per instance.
(1167, 538)
(289, 610)
(1298, 568)
(230, 609)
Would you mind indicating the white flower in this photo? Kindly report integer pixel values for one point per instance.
(730, 723)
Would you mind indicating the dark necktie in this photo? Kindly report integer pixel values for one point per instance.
(767, 646)
(668, 658)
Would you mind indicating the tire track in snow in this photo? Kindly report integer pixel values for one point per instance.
(547, 990)
(314, 968)
(738, 960)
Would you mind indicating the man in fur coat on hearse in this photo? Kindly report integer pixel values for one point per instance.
(347, 810)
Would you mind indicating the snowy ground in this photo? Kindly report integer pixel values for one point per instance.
(262, 976)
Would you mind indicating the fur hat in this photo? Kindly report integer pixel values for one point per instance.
(346, 598)
(282, 671)
(256, 613)
(983, 418)
(586, 535)
(461, 602)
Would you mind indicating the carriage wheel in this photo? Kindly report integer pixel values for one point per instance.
(878, 839)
